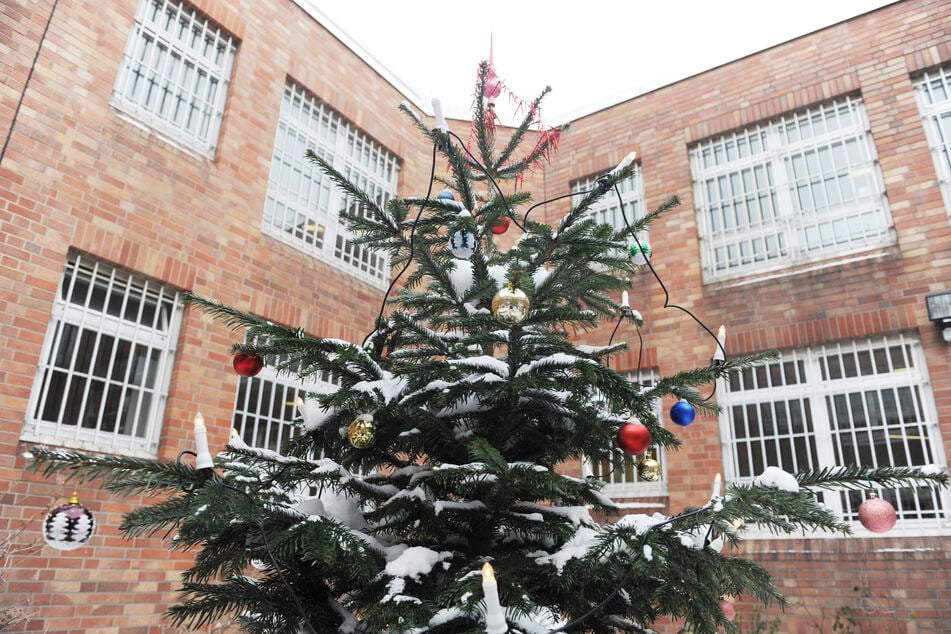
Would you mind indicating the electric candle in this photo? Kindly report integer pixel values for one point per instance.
(717, 481)
(718, 356)
(202, 455)
(494, 617)
(624, 163)
(441, 123)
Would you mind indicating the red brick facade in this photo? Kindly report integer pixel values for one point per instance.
(78, 175)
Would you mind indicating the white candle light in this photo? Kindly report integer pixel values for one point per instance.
(202, 455)
(717, 483)
(625, 162)
(494, 617)
(625, 304)
(718, 356)
(441, 123)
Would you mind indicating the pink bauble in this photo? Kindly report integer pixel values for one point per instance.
(493, 87)
(501, 225)
(877, 515)
(247, 365)
(634, 438)
(728, 610)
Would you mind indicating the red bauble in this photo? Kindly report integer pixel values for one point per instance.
(877, 515)
(729, 612)
(634, 438)
(247, 365)
(501, 225)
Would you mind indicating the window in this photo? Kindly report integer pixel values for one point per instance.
(266, 407)
(864, 403)
(934, 100)
(608, 211)
(175, 72)
(803, 188)
(106, 361)
(302, 206)
(621, 476)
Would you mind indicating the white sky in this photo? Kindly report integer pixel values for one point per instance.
(593, 53)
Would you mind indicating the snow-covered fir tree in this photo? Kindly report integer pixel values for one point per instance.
(439, 450)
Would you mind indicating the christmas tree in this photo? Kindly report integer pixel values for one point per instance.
(423, 494)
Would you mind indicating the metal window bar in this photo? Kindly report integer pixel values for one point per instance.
(302, 208)
(107, 353)
(175, 72)
(805, 186)
(871, 397)
(933, 90)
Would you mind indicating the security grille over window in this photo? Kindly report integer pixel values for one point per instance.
(803, 188)
(175, 73)
(864, 403)
(302, 206)
(934, 100)
(607, 210)
(621, 476)
(107, 358)
(266, 408)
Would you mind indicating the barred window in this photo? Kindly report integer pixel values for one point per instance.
(934, 100)
(175, 73)
(621, 475)
(266, 407)
(303, 207)
(608, 209)
(860, 403)
(106, 361)
(802, 188)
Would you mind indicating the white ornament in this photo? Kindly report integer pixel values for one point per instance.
(462, 244)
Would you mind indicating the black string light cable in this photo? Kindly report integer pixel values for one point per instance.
(667, 303)
(412, 238)
(485, 170)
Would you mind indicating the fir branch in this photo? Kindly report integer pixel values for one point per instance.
(857, 477)
(127, 475)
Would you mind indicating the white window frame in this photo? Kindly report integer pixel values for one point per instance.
(933, 90)
(266, 410)
(804, 188)
(93, 375)
(891, 370)
(303, 206)
(608, 211)
(175, 74)
(622, 481)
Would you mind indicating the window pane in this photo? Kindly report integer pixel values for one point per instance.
(871, 403)
(174, 63)
(97, 389)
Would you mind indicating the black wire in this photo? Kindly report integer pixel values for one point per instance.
(551, 200)
(412, 238)
(485, 170)
(26, 84)
(667, 303)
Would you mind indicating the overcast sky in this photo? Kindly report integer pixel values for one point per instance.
(592, 53)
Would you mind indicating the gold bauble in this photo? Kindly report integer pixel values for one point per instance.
(362, 431)
(510, 305)
(648, 469)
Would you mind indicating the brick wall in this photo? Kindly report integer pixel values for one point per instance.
(874, 56)
(77, 174)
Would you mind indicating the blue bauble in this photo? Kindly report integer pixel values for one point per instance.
(682, 413)
(446, 195)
